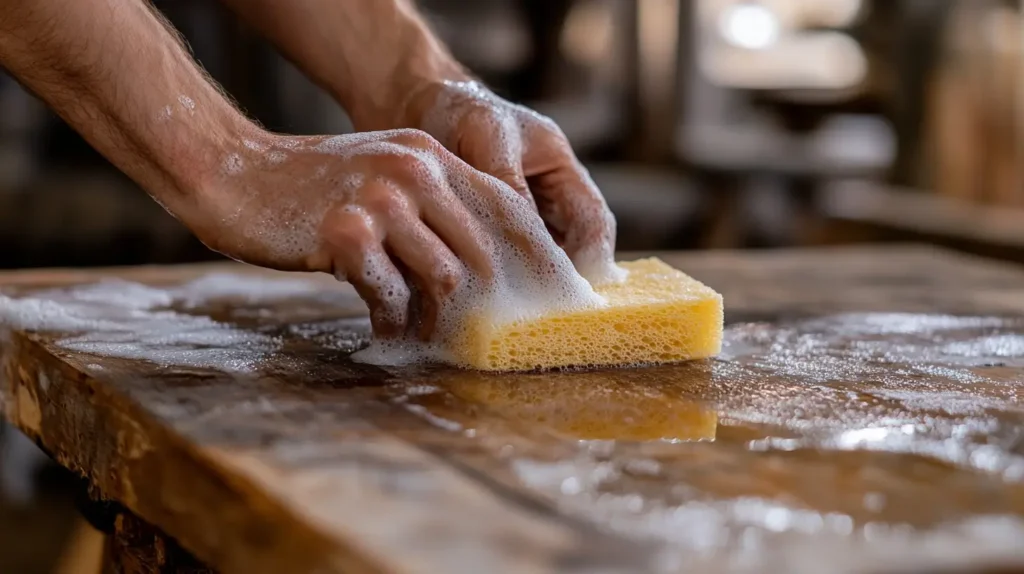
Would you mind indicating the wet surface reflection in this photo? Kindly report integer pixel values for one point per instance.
(871, 442)
(589, 406)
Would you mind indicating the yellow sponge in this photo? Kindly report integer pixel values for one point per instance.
(657, 315)
(591, 406)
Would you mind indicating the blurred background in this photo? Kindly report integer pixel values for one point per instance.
(707, 123)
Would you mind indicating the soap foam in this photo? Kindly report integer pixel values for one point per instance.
(532, 275)
(233, 164)
(288, 227)
(219, 286)
(254, 145)
(122, 319)
(520, 288)
(596, 261)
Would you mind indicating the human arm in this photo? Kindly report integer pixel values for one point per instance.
(113, 72)
(391, 212)
(383, 64)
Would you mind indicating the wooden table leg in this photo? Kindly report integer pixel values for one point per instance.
(135, 547)
(85, 551)
(131, 546)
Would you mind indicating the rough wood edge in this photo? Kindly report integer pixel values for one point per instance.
(53, 403)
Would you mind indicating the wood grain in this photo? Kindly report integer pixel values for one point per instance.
(861, 391)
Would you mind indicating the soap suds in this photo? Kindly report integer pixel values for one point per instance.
(187, 103)
(532, 275)
(233, 164)
(521, 288)
(219, 286)
(121, 319)
(596, 262)
(696, 530)
(859, 455)
(254, 145)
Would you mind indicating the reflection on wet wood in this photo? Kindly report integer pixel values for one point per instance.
(864, 416)
(587, 406)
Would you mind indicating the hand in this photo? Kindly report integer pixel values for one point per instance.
(530, 153)
(394, 213)
(388, 70)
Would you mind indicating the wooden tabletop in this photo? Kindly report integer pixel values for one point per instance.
(864, 416)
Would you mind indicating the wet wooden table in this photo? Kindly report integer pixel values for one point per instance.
(864, 416)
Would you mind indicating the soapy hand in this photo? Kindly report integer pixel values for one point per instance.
(425, 238)
(393, 213)
(385, 66)
(530, 153)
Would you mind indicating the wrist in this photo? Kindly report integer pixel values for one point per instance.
(379, 97)
(206, 168)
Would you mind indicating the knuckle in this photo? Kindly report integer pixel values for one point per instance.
(479, 112)
(415, 166)
(514, 179)
(446, 279)
(543, 123)
(414, 138)
(506, 171)
(397, 159)
(402, 135)
(509, 198)
(387, 201)
(349, 229)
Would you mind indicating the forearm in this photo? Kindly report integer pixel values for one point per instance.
(370, 54)
(112, 70)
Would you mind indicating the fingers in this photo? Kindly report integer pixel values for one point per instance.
(569, 201)
(426, 171)
(511, 218)
(449, 218)
(361, 260)
(433, 267)
(530, 153)
(409, 237)
(374, 244)
(490, 141)
(406, 220)
(471, 211)
(575, 208)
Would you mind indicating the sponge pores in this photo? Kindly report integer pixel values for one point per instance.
(657, 315)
